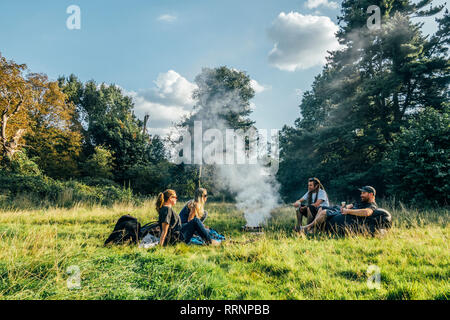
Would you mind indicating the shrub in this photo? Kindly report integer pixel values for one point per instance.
(417, 166)
(23, 165)
(100, 164)
(42, 189)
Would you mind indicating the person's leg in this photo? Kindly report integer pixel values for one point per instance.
(318, 220)
(195, 225)
(299, 218)
(299, 213)
(337, 224)
(311, 214)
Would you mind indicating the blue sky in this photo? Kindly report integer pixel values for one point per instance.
(154, 49)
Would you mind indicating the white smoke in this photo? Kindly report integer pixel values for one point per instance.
(256, 192)
(253, 184)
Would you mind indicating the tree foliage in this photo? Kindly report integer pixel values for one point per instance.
(36, 115)
(420, 157)
(365, 94)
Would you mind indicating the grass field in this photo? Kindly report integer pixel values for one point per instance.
(39, 247)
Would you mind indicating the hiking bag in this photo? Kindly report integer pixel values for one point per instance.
(127, 229)
(380, 219)
(150, 228)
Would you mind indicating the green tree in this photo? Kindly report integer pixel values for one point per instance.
(223, 94)
(222, 102)
(99, 164)
(107, 118)
(54, 138)
(364, 95)
(23, 165)
(420, 157)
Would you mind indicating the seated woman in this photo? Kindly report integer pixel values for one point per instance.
(195, 207)
(315, 198)
(170, 225)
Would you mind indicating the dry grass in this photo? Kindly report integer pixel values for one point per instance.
(38, 246)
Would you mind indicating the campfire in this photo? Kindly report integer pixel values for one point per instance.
(252, 229)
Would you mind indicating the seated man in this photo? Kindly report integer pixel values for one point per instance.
(315, 197)
(351, 217)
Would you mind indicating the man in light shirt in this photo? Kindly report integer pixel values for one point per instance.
(315, 197)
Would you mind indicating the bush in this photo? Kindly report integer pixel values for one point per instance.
(98, 182)
(100, 164)
(44, 190)
(21, 164)
(148, 179)
(417, 165)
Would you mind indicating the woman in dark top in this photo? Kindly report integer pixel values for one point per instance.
(170, 223)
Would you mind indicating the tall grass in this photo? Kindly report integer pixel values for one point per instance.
(38, 246)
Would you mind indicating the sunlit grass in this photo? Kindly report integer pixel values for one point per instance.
(37, 247)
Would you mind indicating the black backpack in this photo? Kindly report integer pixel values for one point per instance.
(127, 229)
(380, 219)
(150, 228)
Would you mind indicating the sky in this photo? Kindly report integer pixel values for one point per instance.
(153, 49)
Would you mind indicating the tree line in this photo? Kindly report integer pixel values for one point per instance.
(377, 114)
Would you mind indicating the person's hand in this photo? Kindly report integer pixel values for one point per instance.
(296, 204)
(344, 211)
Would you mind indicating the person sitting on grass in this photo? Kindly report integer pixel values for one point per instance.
(315, 197)
(195, 208)
(348, 217)
(172, 230)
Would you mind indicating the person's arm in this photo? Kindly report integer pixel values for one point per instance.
(358, 212)
(165, 229)
(191, 214)
(297, 203)
(317, 203)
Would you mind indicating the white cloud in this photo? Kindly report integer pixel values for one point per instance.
(301, 41)
(171, 88)
(169, 100)
(312, 4)
(166, 103)
(167, 18)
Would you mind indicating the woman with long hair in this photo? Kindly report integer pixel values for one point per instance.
(172, 230)
(195, 208)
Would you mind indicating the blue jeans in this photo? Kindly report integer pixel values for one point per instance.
(195, 226)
